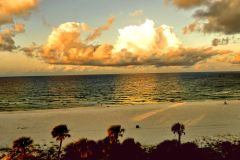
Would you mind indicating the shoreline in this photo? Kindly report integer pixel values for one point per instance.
(106, 105)
(201, 118)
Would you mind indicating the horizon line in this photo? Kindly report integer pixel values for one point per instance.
(95, 74)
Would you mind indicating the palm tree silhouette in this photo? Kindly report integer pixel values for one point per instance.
(21, 146)
(114, 132)
(178, 128)
(60, 132)
(82, 149)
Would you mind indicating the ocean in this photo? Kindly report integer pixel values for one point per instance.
(45, 92)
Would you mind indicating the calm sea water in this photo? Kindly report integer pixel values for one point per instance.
(23, 93)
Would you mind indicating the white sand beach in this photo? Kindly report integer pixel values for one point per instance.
(207, 118)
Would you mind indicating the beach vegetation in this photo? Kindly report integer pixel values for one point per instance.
(113, 148)
(178, 129)
(60, 132)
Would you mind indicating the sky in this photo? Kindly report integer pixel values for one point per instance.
(59, 37)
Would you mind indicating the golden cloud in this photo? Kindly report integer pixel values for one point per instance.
(11, 8)
(186, 4)
(144, 44)
(98, 31)
(8, 10)
(235, 59)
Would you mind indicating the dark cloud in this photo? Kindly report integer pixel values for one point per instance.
(6, 37)
(220, 41)
(9, 9)
(212, 16)
(221, 16)
(225, 40)
(6, 40)
(33, 50)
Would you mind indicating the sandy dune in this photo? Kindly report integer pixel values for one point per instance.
(205, 118)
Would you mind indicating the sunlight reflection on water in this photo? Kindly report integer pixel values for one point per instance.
(21, 93)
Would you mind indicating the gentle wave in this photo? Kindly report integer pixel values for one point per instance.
(44, 92)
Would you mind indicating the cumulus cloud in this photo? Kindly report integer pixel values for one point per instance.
(136, 13)
(12, 8)
(6, 37)
(146, 37)
(144, 44)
